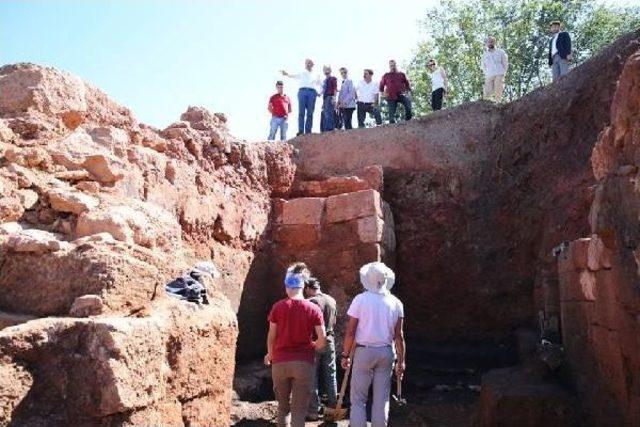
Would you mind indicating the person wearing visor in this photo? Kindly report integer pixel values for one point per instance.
(291, 349)
(375, 334)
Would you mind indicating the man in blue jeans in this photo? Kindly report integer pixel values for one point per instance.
(325, 373)
(280, 108)
(307, 95)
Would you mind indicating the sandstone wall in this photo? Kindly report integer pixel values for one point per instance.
(599, 291)
(97, 213)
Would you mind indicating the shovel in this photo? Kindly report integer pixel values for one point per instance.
(398, 400)
(339, 413)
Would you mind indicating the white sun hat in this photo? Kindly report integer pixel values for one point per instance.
(377, 277)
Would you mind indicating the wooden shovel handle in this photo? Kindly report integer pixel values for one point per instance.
(345, 378)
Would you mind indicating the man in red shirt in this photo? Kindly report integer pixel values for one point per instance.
(395, 88)
(279, 107)
(290, 347)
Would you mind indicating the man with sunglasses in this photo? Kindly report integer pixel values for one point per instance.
(439, 84)
(346, 99)
(368, 95)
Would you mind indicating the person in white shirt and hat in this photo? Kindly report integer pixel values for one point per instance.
(374, 328)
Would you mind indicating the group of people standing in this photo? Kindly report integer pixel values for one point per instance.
(301, 348)
(495, 61)
(338, 105)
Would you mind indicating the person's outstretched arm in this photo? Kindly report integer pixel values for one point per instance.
(292, 76)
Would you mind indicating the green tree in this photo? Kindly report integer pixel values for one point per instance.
(456, 31)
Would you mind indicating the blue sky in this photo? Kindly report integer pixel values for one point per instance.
(158, 57)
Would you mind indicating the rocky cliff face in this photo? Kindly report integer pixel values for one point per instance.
(600, 292)
(98, 212)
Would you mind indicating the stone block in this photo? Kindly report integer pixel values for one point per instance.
(360, 204)
(297, 236)
(371, 229)
(306, 210)
(340, 235)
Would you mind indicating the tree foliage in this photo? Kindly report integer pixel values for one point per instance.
(457, 29)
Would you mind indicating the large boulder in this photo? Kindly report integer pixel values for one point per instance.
(145, 370)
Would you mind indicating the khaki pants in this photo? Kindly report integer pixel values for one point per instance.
(493, 87)
(292, 386)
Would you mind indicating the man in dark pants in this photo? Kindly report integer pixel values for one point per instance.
(325, 372)
(395, 88)
(329, 91)
(346, 99)
(368, 96)
(559, 51)
(439, 84)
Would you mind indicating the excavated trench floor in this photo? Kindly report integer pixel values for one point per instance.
(441, 386)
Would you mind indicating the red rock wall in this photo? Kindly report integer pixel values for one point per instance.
(480, 196)
(599, 283)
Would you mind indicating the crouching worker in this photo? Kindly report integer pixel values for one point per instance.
(290, 347)
(324, 378)
(374, 326)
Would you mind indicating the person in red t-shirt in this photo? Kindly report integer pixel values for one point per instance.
(396, 88)
(290, 347)
(280, 108)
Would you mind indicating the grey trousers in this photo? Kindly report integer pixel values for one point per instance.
(324, 378)
(559, 68)
(371, 366)
(292, 387)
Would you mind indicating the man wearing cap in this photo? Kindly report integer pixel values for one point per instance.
(325, 372)
(291, 349)
(559, 51)
(280, 108)
(307, 94)
(375, 330)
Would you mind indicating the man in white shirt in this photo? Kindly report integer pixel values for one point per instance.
(367, 96)
(495, 63)
(375, 325)
(439, 84)
(307, 94)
